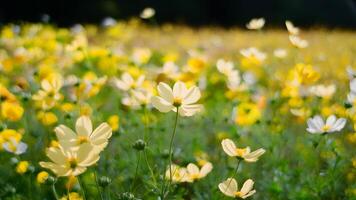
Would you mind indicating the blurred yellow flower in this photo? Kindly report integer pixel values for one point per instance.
(22, 167)
(247, 114)
(113, 121)
(42, 177)
(11, 111)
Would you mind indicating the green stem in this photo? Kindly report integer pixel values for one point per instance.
(235, 172)
(170, 154)
(150, 169)
(54, 191)
(136, 171)
(97, 185)
(82, 187)
(145, 150)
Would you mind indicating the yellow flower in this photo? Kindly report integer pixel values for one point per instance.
(247, 114)
(84, 134)
(11, 111)
(196, 65)
(67, 107)
(114, 122)
(42, 177)
(243, 153)
(22, 167)
(47, 118)
(72, 196)
(70, 161)
(230, 188)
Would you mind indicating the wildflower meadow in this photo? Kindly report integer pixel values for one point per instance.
(132, 110)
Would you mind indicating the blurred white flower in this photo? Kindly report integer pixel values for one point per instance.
(253, 52)
(230, 149)
(127, 82)
(280, 53)
(15, 147)
(291, 28)
(298, 42)
(147, 13)
(316, 125)
(108, 21)
(225, 67)
(256, 24)
(324, 91)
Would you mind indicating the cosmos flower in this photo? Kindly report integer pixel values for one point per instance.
(179, 174)
(70, 161)
(180, 97)
(15, 147)
(194, 173)
(147, 13)
(298, 42)
(225, 67)
(84, 134)
(291, 28)
(280, 53)
(316, 125)
(324, 91)
(256, 24)
(242, 153)
(49, 93)
(230, 188)
(127, 82)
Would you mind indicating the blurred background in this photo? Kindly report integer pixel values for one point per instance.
(305, 13)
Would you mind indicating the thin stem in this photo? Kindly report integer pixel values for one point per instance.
(170, 152)
(136, 171)
(235, 172)
(54, 191)
(82, 187)
(97, 185)
(150, 169)
(145, 150)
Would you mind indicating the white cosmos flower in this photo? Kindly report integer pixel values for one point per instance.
(351, 72)
(298, 42)
(324, 91)
(230, 149)
(225, 67)
(15, 147)
(179, 97)
(194, 173)
(84, 134)
(280, 53)
(147, 13)
(256, 24)
(127, 82)
(291, 28)
(253, 52)
(316, 125)
(230, 188)
(70, 162)
(170, 69)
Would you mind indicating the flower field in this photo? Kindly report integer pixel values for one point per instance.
(135, 111)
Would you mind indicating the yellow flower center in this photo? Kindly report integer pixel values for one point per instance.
(72, 163)
(241, 152)
(177, 102)
(238, 194)
(82, 139)
(194, 176)
(326, 128)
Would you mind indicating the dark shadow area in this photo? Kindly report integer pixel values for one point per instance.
(328, 13)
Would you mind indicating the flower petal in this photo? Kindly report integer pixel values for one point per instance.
(84, 126)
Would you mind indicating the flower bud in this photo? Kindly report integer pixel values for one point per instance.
(104, 181)
(139, 145)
